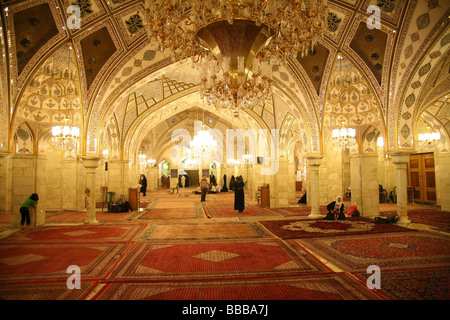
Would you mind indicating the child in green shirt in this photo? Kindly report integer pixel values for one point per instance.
(25, 210)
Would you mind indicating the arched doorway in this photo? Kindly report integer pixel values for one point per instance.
(164, 172)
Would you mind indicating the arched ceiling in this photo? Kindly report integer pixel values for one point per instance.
(115, 64)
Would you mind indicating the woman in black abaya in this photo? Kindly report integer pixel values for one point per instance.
(239, 198)
(224, 188)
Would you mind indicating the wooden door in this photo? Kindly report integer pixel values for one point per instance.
(422, 177)
(193, 178)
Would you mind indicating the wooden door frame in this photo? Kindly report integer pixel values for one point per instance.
(425, 183)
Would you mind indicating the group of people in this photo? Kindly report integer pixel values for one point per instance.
(336, 210)
(238, 187)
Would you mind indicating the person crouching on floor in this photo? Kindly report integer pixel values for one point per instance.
(335, 210)
(32, 201)
(124, 205)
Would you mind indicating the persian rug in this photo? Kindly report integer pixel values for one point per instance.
(306, 287)
(425, 215)
(435, 218)
(295, 211)
(187, 213)
(46, 291)
(174, 204)
(228, 211)
(387, 251)
(203, 231)
(175, 260)
(307, 228)
(42, 262)
(80, 216)
(79, 233)
(414, 284)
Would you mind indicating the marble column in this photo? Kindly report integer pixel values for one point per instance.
(443, 181)
(364, 184)
(91, 163)
(400, 161)
(5, 182)
(41, 190)
(291, 180)
(313, 194)
(152, 178)
(28, 176)
(281, 188)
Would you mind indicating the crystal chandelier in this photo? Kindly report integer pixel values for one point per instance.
(151, 162)
(203, 146)
(239, 35)
(142, 160)
(344, 137)
(65, 136)
(428, 141)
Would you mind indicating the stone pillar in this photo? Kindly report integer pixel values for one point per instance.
(313, 194)
(25, 181)
(291, 181)
(41, 190)
(152, 179)
(443, 181)
(257, 179)
(364, 184)
(5, 182)
(69, 177)
(91, 163)
(400, 161)
(356, 180)
(281, 188)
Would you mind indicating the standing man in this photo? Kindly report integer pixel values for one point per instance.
(204, 186)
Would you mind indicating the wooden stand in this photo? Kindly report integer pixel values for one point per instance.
(133, 198)
(265, 196)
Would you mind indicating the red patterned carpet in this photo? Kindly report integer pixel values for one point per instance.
(84, 233)
(215, 211)
(45, 291)
(415, 284)
(387, 251)
(40, 262)
(173, 251)
(436, 218)
(204, 260)
(301, 210)
(306, 228)
(309, 287)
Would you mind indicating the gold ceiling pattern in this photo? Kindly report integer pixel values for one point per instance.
(113, 54)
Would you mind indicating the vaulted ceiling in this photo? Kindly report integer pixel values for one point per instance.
(107, 77)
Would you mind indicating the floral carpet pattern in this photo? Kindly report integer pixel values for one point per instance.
(178, 248)
(292, 229)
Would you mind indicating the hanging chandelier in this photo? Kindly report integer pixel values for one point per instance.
(66, 137)
(229, 39)
(202, 146)
(429, 141)
(142, 160)
(344, 137)
(151, 162)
